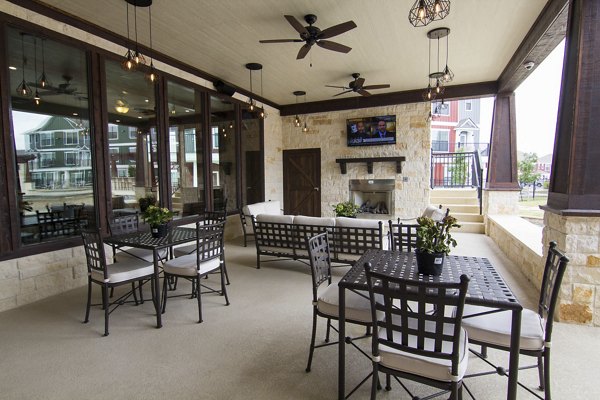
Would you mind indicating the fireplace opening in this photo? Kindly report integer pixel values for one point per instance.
(373, 196)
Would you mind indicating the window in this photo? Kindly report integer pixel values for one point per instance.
(439, 140)
(113, 132)
(468, 105)
(71, 158)
(71, 138)
(46, 139)
(215, 137)
(132, 132)
(440, 108)
(46, 160)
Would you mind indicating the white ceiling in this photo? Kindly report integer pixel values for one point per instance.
(221, 36)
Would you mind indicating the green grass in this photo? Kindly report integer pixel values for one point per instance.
(530, 208)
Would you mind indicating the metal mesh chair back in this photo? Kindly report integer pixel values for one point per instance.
(213, 217)
(556, 264)
(209, 241)
(304, 232)
(124, 224)
(94, 251)
(413, 328)
(320, 260)
(356, 240)
(403, 237)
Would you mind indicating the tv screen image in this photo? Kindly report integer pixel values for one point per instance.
(370, 131)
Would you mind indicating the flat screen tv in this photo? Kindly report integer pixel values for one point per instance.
(371, 131)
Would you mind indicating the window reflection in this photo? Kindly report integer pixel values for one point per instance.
(223, 153)
(49, 100)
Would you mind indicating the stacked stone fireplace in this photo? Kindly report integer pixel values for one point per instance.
(375, 197)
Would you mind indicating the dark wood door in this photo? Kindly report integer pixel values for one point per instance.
(302, 182)
(254, 178)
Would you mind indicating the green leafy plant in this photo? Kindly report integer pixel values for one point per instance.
(345, 209)
(155, 215)
(434, 237)
(146, 201)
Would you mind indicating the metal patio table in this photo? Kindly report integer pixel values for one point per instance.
(144, 240)
(486, 288)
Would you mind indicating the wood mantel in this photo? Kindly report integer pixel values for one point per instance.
(370, 161)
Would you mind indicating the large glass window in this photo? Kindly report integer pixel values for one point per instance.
(252, 166)
(132, 138)
(223, 153)
(439, 140)
(186, 149)
(49, 102)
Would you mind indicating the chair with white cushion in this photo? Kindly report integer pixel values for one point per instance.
(326, 296)
(130, 270)
(402, 237)
(411, 343)
(123, 224)
(491, 328)
(208, 257)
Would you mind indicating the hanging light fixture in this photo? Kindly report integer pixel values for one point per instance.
(425, 11)
(121, 106)
(138, 57)
(36, 97)
(263, 112)
(305, 127)
(128, 63)
(43, 81)
(448, 74)
(23, 89)
(297, 121)
(252, 67)
(151, 76)
(439, 77)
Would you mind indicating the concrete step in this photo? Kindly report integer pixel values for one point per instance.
(455, 200)
(464, 217)
(471, 227)
(462, 208)
(468, 192)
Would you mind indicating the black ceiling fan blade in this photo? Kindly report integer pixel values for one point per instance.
(296, 24)
(329, 45)
(376, 87)
(336, 30)
(358, 83)
(363, 92)
(346, 91)
(338, 87)
(280, 40)
(303, 51)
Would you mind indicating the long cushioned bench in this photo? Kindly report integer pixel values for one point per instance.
(265, 207)
(285, 235)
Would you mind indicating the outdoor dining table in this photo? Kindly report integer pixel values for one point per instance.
(145, 240)
(486, 288)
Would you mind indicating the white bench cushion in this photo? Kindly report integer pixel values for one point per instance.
(319, 221)
(356, 222)
(280, 219)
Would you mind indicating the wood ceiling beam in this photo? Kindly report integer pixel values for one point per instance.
(545, 34)
(471, 90)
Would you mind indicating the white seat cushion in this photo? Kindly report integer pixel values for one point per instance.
(314, 221)
(280, 219)
(131, 268)
(495, 328)
(125, 253)
(358, 308)
(357, 222)
(435, 213)
(186, 265)
(433, 368)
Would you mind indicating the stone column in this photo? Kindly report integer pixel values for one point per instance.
(572, 216)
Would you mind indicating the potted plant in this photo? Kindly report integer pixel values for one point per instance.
(157, 218)
(146, 201)
(433, 243)
(346, 209)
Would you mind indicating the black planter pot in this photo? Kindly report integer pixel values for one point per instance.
(159, 230)
(430, 263)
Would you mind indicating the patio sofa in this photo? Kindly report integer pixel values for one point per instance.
(284, 236)
(265, 207)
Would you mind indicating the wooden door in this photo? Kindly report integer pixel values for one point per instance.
(254, 178)
(302, 182)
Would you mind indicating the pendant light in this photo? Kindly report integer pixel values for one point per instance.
(23, 89)
(43, 81)
(297, 122)
(423, 12)
(263, 112)
(252, 67)
(305, 127)
(438, 78)
(138, 58)
(36, 98)
(151, 76)
(128, 63)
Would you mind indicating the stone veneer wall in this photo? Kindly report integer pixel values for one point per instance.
(579, 238)
(327, 131)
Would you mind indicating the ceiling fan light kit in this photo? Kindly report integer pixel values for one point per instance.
(357, 86)
(423, 12)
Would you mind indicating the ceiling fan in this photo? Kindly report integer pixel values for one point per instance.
(311, 35)
(62, 88)
(357, 86)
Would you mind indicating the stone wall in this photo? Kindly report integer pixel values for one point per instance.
(327, 131)
(579, 238)
(500, 202)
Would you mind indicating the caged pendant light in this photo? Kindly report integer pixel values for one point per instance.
(151, 76)
(298, 93)
(424, 12)
(23, 89)
(252, 67)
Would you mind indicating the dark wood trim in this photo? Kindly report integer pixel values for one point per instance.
(9, 235)
(162, 139)
(545, 34)
(370, 161)
(238, 151)
(61, 16)
(471, 90)
(207, 151)
(502, 169)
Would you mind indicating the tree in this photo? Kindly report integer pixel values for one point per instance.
(459, 169)
(527, 168)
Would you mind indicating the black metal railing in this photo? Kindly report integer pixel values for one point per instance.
(457, 170)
